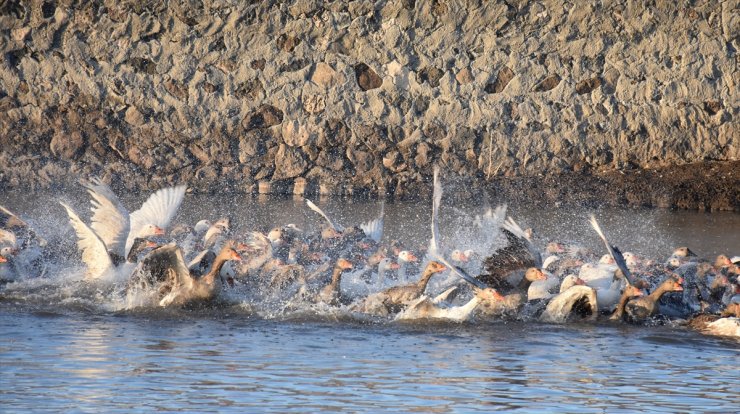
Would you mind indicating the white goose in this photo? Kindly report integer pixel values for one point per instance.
(108, 241)
(574, 297)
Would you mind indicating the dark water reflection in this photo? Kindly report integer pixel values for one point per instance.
(73, 356)
(204, 363)
(650, 232)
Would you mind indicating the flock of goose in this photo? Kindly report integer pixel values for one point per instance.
(149, 262)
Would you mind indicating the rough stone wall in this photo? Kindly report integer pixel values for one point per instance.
(361, 97)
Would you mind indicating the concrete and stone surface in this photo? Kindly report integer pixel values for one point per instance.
(615, 102)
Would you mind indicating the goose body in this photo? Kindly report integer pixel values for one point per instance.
(575, 300)
(645, 307)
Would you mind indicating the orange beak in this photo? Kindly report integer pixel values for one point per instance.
(395, 266)
(413, 258)
(580, 281)
(158, 231)
(3, 259)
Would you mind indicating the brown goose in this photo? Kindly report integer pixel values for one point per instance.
(330, 293)
(166, 269)
(394, 299)
(399, 296)
(630, 291)
(646, 306)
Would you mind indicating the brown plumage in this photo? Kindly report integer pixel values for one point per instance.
(631, 291)
(330, 293)
(646, 306)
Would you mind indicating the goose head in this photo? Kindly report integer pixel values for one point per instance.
(532, 274)
(683, 252)
(570, 281)
(459, 256)
(632, 291)
(674, 283)
(732, 310)
(8, 251)
(606, 259)
(224, 223)
(674, 262)
(722, 261)
(386, 263)
(330, 233)
(555, 248)
(407, 256)
(631, 260)
(344, 264)
(435, 267)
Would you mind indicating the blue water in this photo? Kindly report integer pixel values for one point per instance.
(212, 361)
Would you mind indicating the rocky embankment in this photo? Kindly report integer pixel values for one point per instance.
(612, 102)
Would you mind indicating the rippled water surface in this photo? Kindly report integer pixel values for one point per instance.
(199, 362)
(61, 350)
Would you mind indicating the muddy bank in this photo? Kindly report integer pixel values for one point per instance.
(363, 98)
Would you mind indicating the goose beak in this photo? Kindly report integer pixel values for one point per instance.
(158, 231)
(580, 281)
(395, 266)
(413, 258)
(3, 259)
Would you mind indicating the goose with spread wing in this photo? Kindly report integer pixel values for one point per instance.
(101, 253)
(110, 240)
(520, 254)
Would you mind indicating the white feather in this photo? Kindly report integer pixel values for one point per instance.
(615, 253)
(316, 208)
(436, 201)
(94, 252)
(374, 228)
(110, 220)
(159, 209)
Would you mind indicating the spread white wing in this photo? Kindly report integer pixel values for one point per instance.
(374, 228)
(436, 201)
(94, 253)
(159, 209)
(110, 220)
(331, 222)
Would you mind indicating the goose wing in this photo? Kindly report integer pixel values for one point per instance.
(374, 228)
(613, 251)
(436, 201)
(519, 254)
(94, 252)
(110, 220)
(159, 209)
(331, 222)
(166, 264)
(461, 273)
(526, 239)
(8, 220)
